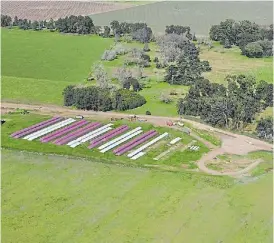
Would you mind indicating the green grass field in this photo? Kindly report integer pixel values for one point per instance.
(33, 91)
(49, 56)
(230, 61)
(52, 199)
(174, 161)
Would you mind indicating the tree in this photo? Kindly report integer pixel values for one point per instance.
(164, 98)
(101, 76)
(267, 47)
(215, 33)
(146, 47)
(227, 43)
(5, 21)
(265, 128)
(35, 25)
(233, 106)
(51, 25)
(123, 74)
(194, 37)
(15, 21)
(68, 94)
(253, 50)
(109, 55)
(106, 32)
(143, 35)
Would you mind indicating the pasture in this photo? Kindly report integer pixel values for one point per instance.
(230, 61)
(33, 91)
(53, 199)
(49, 56)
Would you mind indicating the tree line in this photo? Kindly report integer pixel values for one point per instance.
(231, 107)
(253, 40)
(84, 25)
(71, 24)
(100, 99)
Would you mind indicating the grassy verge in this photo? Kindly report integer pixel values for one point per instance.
(16, 122)
(265, 166)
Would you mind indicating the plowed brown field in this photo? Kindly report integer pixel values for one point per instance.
(44, 10)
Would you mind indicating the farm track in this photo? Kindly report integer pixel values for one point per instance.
(44, 10)
(231, 143)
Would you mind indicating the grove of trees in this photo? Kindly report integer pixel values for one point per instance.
(100, 99)
(253, 40)
(232, 107)
(71, 24)
(181, 57)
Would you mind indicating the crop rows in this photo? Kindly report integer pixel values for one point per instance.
(63, 131)
(82, 131)
(135, 142)
(108, 136)
(69, 137)
(49, 129)
(44, 10)
(35, 127)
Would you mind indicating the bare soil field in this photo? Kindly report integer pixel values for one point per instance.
(44, 10)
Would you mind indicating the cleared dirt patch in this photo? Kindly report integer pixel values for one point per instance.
(229, 163)
(44, 10)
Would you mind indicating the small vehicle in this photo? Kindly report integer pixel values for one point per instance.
(79, 117)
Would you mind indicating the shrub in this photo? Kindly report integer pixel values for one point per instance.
(173, 92)
(253, 49)
(156, 59)
(120, 49)
(146, 57)
(164, 98)
(127, 38)
(267, 47)
(158, 65)
(148, 113)
(109, 55)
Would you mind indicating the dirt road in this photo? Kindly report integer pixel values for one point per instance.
(231, 143)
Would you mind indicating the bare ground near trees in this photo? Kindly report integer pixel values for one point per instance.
(44, 10)
(231, 143)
